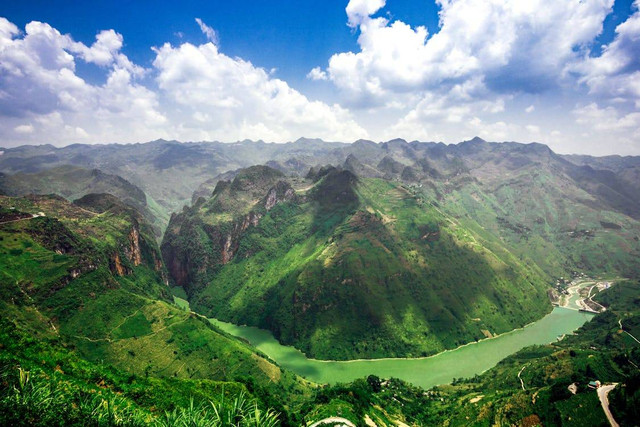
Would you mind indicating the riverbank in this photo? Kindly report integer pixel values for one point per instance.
(462, 362)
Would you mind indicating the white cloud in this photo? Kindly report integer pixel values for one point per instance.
(475, 75)
(317, 74)
(487, 55)
(510, 45)
(242, 101)
(196, 92)
(607, 119)
(616, 72)
(104, 50)
(533, 129)
(24, 129)
(359, 11)
(38, 81)
(209, 32)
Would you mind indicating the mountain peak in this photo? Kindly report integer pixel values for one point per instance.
(365, 142)
(303, 140)
(473, 145)
(397, 141)
(476, 140)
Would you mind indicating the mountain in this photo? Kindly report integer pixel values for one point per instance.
(73, 182)
(89, 275)
(169, 172)
(555, 214)
(346, 266)
(539, 385)
(343, 250)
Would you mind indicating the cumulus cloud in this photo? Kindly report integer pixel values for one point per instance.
(616, 72)
(241, 100)
(359, 11)
(23, 129)
(482, 66)
(38, 81)
(512, 45)
(190, 92)
(607, 119)
(317, 74)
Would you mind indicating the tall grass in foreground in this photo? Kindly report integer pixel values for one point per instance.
(38, 400)
(241, 412)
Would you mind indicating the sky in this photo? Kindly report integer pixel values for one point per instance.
(561, 72)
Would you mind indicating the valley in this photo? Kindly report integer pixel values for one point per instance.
(385, 283)
(463, 362)
(356, 213)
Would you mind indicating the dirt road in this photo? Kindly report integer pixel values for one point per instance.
(604, 401)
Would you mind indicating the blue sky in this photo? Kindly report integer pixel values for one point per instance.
(291, 36)
(565, 73)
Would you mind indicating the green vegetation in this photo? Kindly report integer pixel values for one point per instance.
(598, 351)
(348, 268)
(544, 220)
(73, 183)
(456, 243)
(91, 281)
(45, 384)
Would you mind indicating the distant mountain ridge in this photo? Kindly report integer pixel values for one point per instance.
(154, 166)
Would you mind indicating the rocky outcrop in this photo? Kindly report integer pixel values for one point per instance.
(281, 192)
(134, 253)
(117, 267)
(192, 248)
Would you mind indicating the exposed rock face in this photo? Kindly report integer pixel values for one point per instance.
(136, 251)
(135, 256)
(189, 259)
(281, 192)
(131, 252)
(232, 240)
(117, 267)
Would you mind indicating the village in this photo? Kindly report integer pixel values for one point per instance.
(578, 293)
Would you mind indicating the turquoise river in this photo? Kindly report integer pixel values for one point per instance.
(426, 372)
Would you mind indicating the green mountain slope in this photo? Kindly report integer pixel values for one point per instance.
(543, 215)
(529, 388)
(346, 267)
(91, 273)
(73, 182)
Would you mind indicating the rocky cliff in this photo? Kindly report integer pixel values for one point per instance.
(199, 240)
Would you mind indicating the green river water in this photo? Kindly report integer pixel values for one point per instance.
(426, 372)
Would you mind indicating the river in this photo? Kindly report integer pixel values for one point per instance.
(426, 372)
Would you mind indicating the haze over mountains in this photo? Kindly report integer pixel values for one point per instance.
(155, 166)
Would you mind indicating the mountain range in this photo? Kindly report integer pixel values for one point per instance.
(361, 250)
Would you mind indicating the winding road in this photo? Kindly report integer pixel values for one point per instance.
(522, 382)
(604, 401)
(622, 329)
(22, 219)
